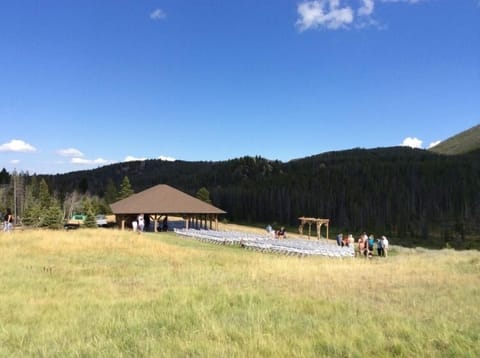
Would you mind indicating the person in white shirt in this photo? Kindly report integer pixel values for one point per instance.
(141, 223)
(385, 246)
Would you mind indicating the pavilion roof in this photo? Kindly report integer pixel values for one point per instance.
(163, 199)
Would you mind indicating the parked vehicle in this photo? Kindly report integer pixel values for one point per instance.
(105, 220)
(78, 220)
(75, 221)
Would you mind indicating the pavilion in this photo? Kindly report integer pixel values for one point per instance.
(164, 200)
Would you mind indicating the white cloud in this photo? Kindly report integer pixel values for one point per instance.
(165, 158)
(408, 1)
(83, 161)
(433, 144)
(323, 13)
(158, 14)
(412, 142)
(367, 8)
(17, 145)
(70, 152)
(14, 161)
(131, 158)
(337, 14)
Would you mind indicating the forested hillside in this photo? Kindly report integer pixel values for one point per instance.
(415, 196)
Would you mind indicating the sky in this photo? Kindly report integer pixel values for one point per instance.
(89, 83)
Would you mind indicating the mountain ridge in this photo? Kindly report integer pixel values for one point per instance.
(413, 195)
(461, 143)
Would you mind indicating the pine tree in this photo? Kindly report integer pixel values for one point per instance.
(110, 192)
(32, 215)
(34, 187)
(204, 195)
(44, 195)
(4, 177)
(88, 209)
(125, 189)
(53, 217)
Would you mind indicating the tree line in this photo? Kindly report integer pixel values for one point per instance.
(414, 196)
(36, 205)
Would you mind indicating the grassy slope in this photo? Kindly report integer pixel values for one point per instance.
(464, 142)
(113, 294)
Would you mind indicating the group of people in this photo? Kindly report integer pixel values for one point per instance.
(345, 240)
(8, 221)
(366, 244)
(278, 234)
(142, 223)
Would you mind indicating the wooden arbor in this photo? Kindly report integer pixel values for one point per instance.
(318, 222)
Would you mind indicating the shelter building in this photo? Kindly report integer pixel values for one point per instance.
(164, 200)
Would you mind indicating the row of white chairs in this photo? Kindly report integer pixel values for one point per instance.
(265, 243)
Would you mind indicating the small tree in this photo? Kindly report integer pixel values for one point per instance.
(89, 210)
(90, 220)
(103, 208)
(110, 192)
(4, 177)
(44, 194)
(53, 217)
(125, 189)
(204, 195)
(33, 214)
(34, 187)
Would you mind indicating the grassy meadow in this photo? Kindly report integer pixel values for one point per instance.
(108, 293)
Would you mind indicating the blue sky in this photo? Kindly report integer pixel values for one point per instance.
(88, 83)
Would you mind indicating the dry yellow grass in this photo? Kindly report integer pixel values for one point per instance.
(113, 293)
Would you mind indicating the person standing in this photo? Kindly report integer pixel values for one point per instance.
(385, 246)
(269, 229)
(351, 240)
(361, 246)
(141, 223)
(8, 221)
(380, 247)
(340, 239)
(370, 245)
(165, 223)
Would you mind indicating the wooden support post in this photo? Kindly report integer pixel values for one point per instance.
(319, 223)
